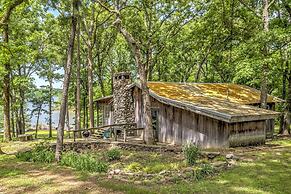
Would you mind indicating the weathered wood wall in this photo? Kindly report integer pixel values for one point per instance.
(270, 123)
(178, 126)
(246, 133)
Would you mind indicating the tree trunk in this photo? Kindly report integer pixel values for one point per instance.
(90, 86)
(66, 84)
(22, 114)
(50, 107)
(148, 133)
(78, 84)
(6, 89)
(37, 120)
(84, 112)
(12, 119)
(68, 121)
(135, 48)
(289, 103)
(265, 66)
(101, 83)
(284, 85)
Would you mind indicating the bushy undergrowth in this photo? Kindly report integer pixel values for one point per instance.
(134, 167)
(191, 153)
(83, 162)
(203, 171)
(40, 153)
(113, 154)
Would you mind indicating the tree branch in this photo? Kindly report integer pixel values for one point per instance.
(5, 18)
(249, 8)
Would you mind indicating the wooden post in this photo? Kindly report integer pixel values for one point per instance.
(74, 136)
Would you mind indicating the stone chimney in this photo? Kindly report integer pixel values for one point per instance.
(123, 107)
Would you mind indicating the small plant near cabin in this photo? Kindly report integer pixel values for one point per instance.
(191, 153)
(83, 162)
(134, 167)
(203, 171)
(113, 154)
(41, 152)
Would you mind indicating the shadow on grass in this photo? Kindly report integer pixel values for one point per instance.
(270, 173)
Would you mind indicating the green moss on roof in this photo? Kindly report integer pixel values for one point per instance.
(230, 99)
(225, 91)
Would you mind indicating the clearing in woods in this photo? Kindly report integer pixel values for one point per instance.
(264, 169)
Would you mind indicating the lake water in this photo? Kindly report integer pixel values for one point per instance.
(44, 117)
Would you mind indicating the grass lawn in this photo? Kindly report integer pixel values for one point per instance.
(263, 170)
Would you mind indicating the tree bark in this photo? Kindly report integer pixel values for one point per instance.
(68, 120)
(66, 84)
(288, 121)
(50, 106)
(6, 88)
(265, 66)
(284, 85)
(37, 120)
(78, 83)
(90, 86)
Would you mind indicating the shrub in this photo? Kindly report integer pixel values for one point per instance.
(83, 162)
(24, 156)
(113, 154)
(203, 171)
(191, 153)
(40, 153)
(134, 167)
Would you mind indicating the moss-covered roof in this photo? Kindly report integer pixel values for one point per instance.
(227, 101)
(225, 91)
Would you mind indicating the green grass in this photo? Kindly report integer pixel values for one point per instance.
(268, 173)
(261, 171)
(42, 134)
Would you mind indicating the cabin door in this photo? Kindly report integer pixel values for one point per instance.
(155, 123)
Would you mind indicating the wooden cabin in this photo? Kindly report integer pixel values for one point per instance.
(207, 114)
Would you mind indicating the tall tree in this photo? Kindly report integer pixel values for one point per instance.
(66, 83)
(78, 81)
(265, 66)
(141, 69)
(4, 24)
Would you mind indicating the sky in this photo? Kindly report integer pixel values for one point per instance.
(42, 82)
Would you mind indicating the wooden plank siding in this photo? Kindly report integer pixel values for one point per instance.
(179, 126)
(270, 123)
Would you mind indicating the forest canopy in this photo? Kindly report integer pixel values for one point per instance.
(233, 41)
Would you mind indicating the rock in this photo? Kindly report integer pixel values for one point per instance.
(212, 155)
(218, 164)
(110, 176)
(229, 156)
(231, 163)
(137, 182)
(163, 180)
(162, 172)
(235, 157)
(130, 174)
(117, 171)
